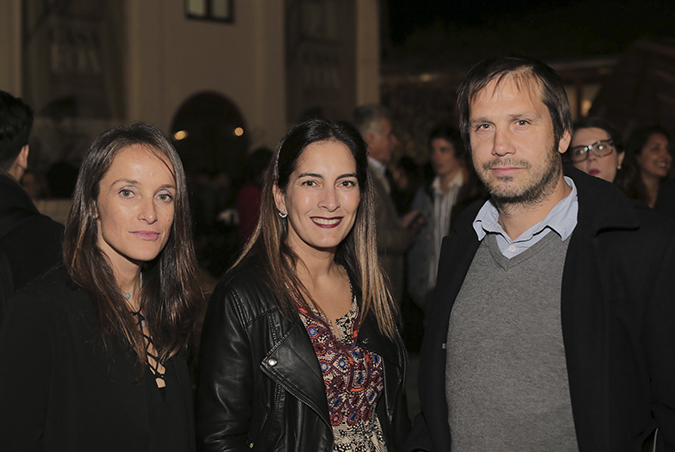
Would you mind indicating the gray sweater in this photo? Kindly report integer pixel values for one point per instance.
(507, 385)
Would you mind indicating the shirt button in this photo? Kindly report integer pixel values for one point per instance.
(272, 362)
(512, 249)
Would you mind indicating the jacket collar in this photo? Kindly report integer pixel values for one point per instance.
(14, 196)
(601, 204)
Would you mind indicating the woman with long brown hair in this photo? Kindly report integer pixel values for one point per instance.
(93, 354)
(649, 156)
(299, 348)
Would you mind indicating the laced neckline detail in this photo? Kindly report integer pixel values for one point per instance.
(153, 364)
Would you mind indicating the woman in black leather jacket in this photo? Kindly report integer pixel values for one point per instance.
(300, 350)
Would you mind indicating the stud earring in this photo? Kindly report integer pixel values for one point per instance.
(283, 213)
(618, 167)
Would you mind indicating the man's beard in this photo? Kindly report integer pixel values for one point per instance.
(534, 192)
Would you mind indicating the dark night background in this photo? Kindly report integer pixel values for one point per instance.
(432, 32)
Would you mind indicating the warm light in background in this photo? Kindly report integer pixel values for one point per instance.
(180, 135)
(585, 106)
(238, 131)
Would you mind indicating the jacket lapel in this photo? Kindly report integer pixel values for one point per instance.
(293, 364)
(459, 249)
(371, 339)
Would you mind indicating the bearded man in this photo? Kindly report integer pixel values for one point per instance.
(553, 320)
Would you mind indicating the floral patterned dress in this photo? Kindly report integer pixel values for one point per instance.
(353, 377)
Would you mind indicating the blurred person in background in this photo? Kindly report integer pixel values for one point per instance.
(300, 350)
(94, 353)
(404, 180)
(649, 156)
(596, 148)
(30, 243)
(394, 234)
(248, 197)
(35, 184)
(437, 201)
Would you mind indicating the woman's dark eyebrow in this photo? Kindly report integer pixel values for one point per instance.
(342, 176)
(310, 175)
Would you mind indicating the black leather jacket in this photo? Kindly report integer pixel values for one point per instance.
(260, 386)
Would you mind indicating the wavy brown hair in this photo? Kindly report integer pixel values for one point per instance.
(357, 252)
(170, 296)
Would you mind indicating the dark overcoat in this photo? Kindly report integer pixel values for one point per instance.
(29, 241)
(618, 322)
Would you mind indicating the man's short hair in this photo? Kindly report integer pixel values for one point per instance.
(366, 118)
(449, 133)
(523, 69)
(16, 122)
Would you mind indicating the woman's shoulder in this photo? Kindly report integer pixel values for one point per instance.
(55, 286)
(53, 291)
(245, 288)
(52, 300)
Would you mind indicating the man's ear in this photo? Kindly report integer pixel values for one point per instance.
(20, 164)
(564, 142)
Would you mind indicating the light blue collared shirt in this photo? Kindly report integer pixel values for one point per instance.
(562, 219)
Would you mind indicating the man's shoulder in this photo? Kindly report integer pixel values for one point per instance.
(14, 197)
(602, 204)
(376, 178)
(466, 218)
(605, 212)
(53, 292)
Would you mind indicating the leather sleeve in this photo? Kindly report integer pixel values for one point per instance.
(225, 379)
(401, 419)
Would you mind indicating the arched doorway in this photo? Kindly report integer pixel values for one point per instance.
(210, 134)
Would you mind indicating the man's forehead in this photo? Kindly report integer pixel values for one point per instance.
(521, 84)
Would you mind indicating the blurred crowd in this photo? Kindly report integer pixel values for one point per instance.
(333, 251)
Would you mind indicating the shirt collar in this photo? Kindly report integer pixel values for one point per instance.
(562, 219)
(456, 181)
(379, 167)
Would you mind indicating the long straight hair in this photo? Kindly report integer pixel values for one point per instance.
(357, 252)
(170, 295)
(634, 187)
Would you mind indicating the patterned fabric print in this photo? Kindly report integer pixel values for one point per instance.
(353, 377)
